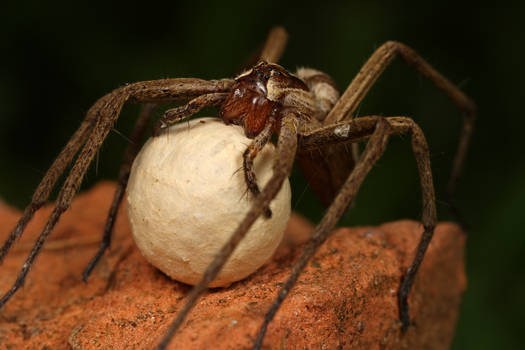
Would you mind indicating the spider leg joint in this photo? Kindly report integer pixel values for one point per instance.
(342, 131)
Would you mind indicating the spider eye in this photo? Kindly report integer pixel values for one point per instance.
(267, 76)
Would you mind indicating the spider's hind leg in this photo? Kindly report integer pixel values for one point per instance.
(357, 129)
(377, 129)
(429, 213)
(380, 130)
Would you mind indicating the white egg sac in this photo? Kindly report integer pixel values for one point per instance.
(187, 194)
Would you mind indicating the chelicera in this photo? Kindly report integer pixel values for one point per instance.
(314, 125)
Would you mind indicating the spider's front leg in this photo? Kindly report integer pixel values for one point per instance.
(377, 129)
(46, 185)
(105, 112)
(271, 51)
(175, 115)
(249, 155)
(286, 148)
(358, 129)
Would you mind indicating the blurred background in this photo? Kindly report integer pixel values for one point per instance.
(57, 59)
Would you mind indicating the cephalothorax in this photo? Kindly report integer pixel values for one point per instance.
(306, 112)
(263, 93)
(267, 90)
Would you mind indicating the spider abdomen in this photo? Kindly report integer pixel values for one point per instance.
(264, 91)
(322, 87)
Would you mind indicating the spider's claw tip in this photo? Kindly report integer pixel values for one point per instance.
(405, 322)
(85, 276)
(87, 271)
(268, 213)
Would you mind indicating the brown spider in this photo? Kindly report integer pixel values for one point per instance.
(306, 112)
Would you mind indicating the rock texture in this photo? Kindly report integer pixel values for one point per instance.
(345, 299)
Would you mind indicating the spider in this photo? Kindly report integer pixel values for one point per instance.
(307, 113)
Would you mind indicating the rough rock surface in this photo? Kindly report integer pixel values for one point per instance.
(345, 299)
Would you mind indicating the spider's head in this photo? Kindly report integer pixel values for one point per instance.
(257, 94)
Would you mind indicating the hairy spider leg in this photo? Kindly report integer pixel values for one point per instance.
(107, 110)
(271, 51)
(378, 129)
(249, 155)
(171, 116)
(131, 151)
(375, 147)
(287, 142)
(400, 125)
(175, 115)
(141, 95)
(274, 45)
(64, 198)
(47, 184)
(373, 68)
(286, 148)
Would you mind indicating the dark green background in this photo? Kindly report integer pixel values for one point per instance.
(57, 59)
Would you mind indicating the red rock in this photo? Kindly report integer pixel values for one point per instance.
(345, 299)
